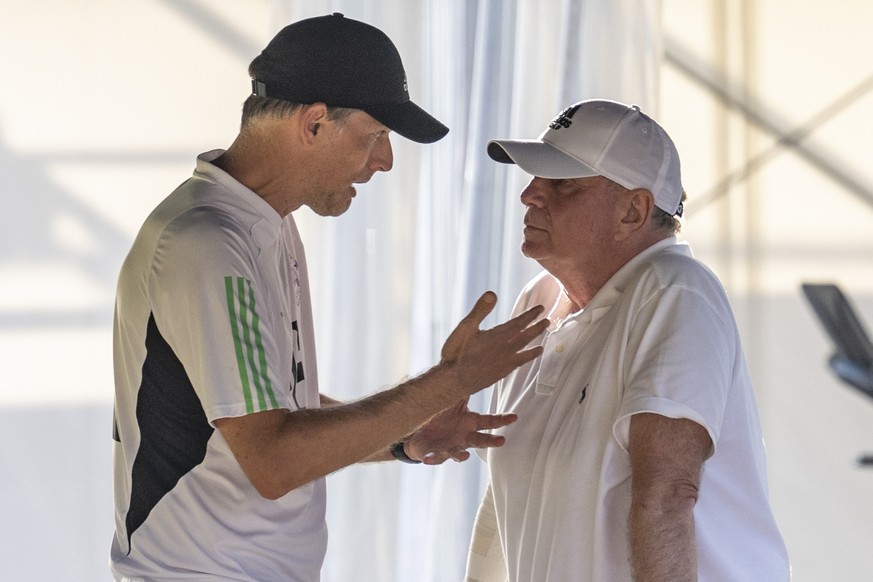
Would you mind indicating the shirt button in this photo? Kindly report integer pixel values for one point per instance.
(559, 348)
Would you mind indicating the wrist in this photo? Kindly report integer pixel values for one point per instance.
(451, 378)
(398, 451)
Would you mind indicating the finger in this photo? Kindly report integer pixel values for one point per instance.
(483, 440)
(468, 325)
(524, 356)
(520, 331)
(522, 320)
(483, 306)
(489, 421)
(516, 360)
(435, 458)
(461, 455)
(532, 332)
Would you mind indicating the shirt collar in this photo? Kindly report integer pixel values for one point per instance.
(240, 194)
(613, 288)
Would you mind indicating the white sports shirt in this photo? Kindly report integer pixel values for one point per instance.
(658, 337)
(213, 320)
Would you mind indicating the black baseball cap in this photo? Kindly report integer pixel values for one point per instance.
(342, 62)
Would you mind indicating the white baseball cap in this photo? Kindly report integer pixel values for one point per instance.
(599, 137)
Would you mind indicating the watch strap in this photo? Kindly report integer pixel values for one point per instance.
(399, 453)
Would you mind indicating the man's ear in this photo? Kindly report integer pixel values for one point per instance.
(312, 120)
(637, 206)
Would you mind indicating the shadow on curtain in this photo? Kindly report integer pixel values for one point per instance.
(394, 274)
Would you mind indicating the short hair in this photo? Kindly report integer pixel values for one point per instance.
(256, 106)
(667, 222)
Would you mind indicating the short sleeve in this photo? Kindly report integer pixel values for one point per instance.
(210, 308)
(680, 360)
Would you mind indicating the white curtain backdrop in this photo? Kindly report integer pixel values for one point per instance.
(393, 276)
(105, 105)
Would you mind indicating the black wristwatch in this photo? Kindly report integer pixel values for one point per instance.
(398, 452)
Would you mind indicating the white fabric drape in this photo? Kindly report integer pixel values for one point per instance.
(393, 275)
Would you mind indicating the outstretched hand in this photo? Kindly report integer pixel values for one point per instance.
(481, 357)
(450, 433)
(475, 359)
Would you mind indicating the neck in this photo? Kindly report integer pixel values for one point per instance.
(256, 160)
(581, 282)
(580, 287)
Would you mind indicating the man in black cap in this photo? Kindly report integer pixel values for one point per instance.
(213, 330)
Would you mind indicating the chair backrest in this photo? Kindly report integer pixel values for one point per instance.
(837, 316)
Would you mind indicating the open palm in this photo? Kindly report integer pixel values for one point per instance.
(450, 433)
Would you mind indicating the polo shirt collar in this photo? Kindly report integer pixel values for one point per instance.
(240, 195)
(612, 290)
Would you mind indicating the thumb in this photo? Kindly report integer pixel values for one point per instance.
(468, 326)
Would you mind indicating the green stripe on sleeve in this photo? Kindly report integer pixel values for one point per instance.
(262, 356)
(251, 358)
(247, 340)
(237, 343)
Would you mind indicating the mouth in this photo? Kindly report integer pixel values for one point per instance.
(529, 221)
(531, 232)
(528, 225)
(358, 181)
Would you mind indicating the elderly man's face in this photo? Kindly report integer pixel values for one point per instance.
(569, 222)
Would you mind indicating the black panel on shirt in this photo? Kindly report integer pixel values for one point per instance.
(173, 428)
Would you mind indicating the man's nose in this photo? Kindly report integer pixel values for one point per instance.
(535, 192)
(382, 156)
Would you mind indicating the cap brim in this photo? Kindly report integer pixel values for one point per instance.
(409, 120)
(538, 158)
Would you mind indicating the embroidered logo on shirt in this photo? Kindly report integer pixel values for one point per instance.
(584, 393)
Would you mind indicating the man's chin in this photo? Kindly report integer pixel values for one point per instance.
(530, 250)
(330, 212)
(334, 205)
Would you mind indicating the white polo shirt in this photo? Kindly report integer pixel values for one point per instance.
(213, 320)
(658, 337)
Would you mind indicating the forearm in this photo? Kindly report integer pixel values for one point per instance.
(661, 539)
(667, 457)
(301, 446)
(322, 442)
(378, 457)
(280, 450)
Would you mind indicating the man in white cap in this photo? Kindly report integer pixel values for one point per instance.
(222, 437)
(638, 452)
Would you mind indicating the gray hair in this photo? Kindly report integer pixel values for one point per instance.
(667, 222)
(257, 107)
